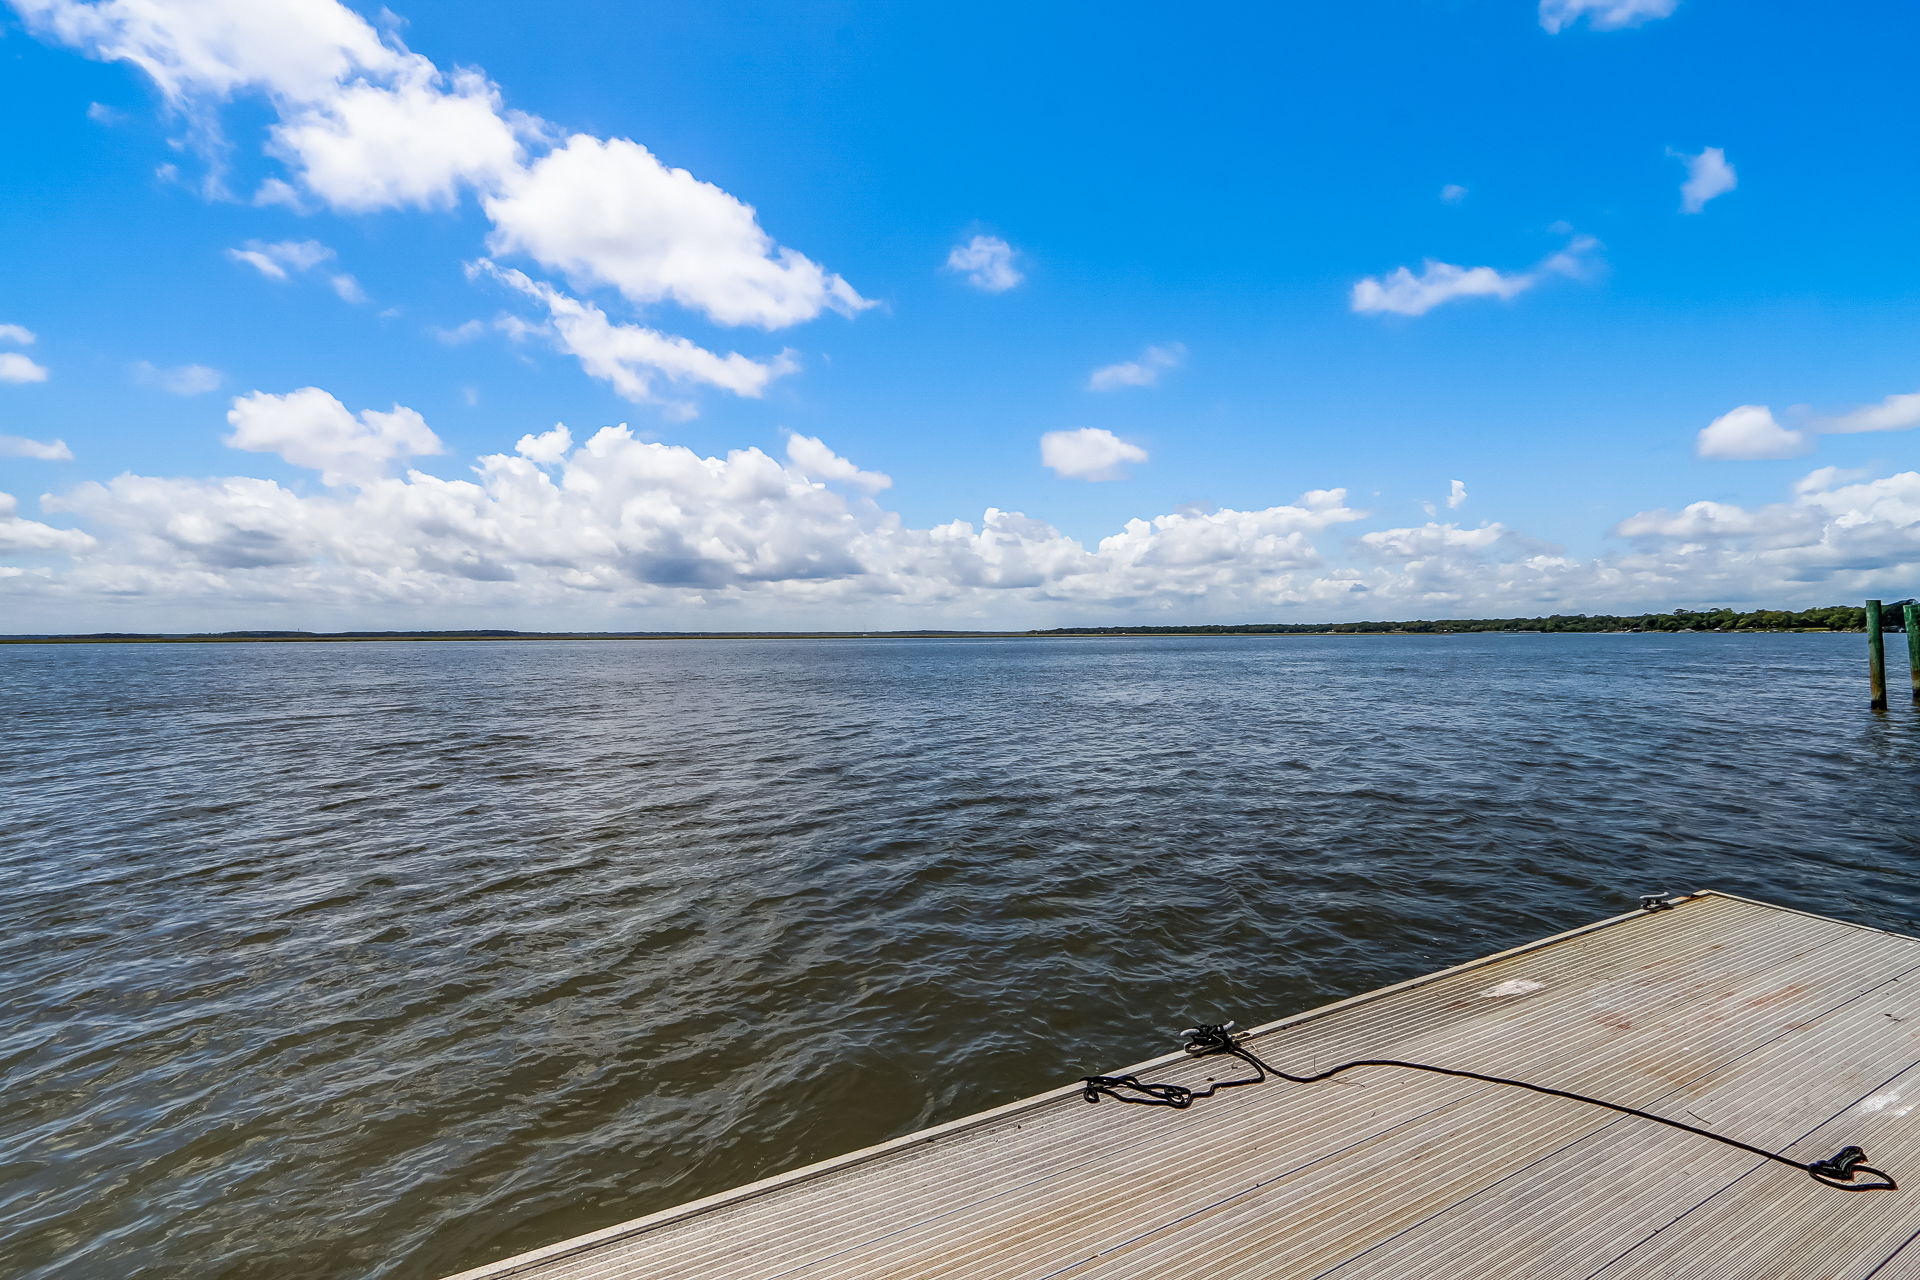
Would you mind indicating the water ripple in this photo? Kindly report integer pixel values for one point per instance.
(384, 960)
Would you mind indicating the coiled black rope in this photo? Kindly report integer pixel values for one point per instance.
(1838, 1170)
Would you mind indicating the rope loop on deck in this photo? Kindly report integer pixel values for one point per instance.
(1153, 1095)
(1840, 1170)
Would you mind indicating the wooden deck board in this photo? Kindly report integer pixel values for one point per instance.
(1768, 1024)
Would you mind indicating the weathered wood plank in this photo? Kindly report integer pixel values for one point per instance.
(1767, 1023)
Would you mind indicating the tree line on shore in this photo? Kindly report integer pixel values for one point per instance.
(1838, 617)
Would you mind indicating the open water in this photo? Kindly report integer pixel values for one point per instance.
(387, 959)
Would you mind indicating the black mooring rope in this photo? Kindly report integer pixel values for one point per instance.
(1837, 1170)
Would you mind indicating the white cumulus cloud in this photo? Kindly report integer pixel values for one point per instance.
(610, 213)
(1143, 372)
(1750, 431)
(567, 533)
(420, 141)
(617, 522)
(19, 335)
(1602, 15)
(547, 447)
(1708, 175)
(361, 123)
(1895, 413)
(312, 429)
(297, 50)
(1456, 495)
(1838, 536)
(986, 262)
(1089, 453)
(1452, 193)
(1402, 292)
(1430, 541)
(811, 457)
(634, 359)
(19, 534)
(15, 367)
(39, 450)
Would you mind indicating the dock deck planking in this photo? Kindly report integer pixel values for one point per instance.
(1771, 1025)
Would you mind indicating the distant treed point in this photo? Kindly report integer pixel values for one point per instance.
(1829, 618)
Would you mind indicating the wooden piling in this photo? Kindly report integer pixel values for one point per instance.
(1910, 618)
(1876, 656)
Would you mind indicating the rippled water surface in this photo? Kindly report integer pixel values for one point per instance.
(388, 959)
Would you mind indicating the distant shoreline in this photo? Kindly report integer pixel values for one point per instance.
(1714, 623)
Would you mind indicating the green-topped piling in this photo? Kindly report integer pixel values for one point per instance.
(1910, 618)
(1876, 657)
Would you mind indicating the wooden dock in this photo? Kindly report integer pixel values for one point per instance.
(1791, 1031)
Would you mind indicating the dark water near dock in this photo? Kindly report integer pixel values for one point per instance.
(341, 960)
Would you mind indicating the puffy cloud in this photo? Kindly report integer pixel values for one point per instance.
(616, 522)
(311, 429)
(561, 532)
(987, 264)
(608, 212)
(632, 358)
(1708, 175)
(1452, 193)
(1089, 453)
(1401, 292)
(613, 513)
(1429, 540)
(1750, 431)
(1404, 293)
(19, 335)
(1456, 495)
(39, 450)
(296, 50)
(1702, 521)
(1848, 497)
(181, 380)
(1144, 372)
(1895, 413)
(165, 526)
(1188, 556)
(1438, 568)
(15, 367)
(281, 259)
(1823, 478)
(416, 144)
(364, 124)
(1602, 15)
(1838, 535)
(18, 534)
(546, 448)
(810, 457)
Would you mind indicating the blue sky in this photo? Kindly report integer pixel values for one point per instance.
(291, 282)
